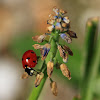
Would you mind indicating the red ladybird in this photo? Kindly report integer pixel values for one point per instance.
(29, 59)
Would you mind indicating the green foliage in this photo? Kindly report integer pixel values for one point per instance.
(91, 60)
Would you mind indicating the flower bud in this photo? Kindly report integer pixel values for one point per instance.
(51, 16)
(40, 38)
(38, 79)
(58, 19)
(24, 75)
(67, 49)
(66, 38)
(66, 20)
(54, 88)
(49, 68)
(65, 25)
(50, 28)
(62, 12)
(45, 50)
(62, 52)
(72, 34)
(51, 21)
(58, 26)
(65, 71)
(56, 10)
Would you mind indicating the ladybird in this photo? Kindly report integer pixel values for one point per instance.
(29, 61)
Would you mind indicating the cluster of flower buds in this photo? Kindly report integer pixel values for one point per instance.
(59, 24)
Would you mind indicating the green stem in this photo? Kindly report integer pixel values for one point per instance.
(92, 59)
(53, 50)
(37, 90)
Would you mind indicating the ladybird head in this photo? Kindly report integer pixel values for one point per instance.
(29, 70)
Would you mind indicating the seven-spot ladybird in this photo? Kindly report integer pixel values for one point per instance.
(29, 61)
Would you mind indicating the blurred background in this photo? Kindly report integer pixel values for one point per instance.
(22, 19)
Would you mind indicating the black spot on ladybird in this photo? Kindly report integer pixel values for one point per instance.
(32, 52)
(22, 59)
(28, 58)
(34, 61)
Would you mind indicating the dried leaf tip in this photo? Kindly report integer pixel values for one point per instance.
(38, 79)
(54, 88)
(65, 71)
(50, 65)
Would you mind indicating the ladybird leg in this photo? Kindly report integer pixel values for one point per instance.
(36, 72)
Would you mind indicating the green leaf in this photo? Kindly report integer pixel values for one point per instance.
(91, 59)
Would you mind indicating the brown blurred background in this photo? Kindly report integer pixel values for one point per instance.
(17, 18)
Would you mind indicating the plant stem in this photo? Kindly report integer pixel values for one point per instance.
(53, 50)
(91, 59)
(36, 91)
